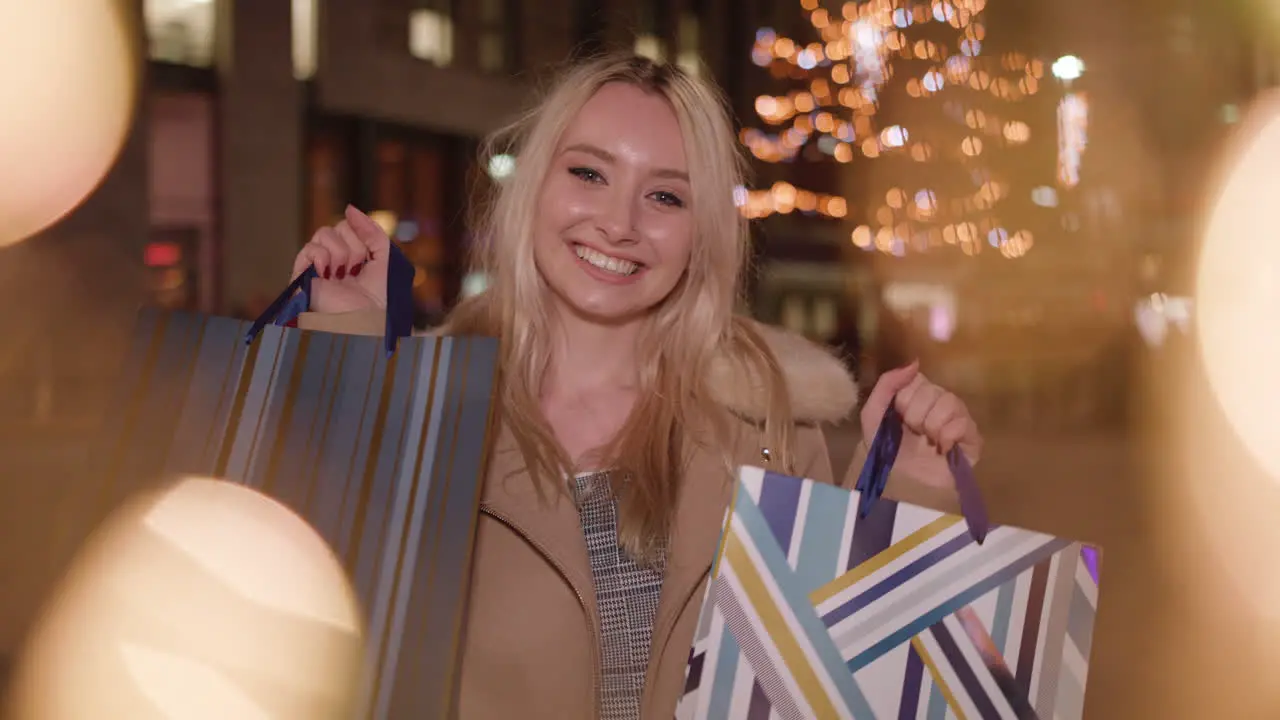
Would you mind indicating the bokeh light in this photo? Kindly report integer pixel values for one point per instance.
(1219, 486)
(67, 76)
(204, 600)
(836, 110)
(1068, 67)
(1238, 290)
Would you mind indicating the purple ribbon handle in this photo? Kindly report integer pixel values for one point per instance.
(880, 458)
(296, 299)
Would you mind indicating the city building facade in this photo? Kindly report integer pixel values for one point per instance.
(258, 122)
(312, 104)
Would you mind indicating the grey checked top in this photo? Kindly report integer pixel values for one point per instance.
(626, 595)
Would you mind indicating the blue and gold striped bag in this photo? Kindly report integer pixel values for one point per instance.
(827, 603)
(379, 443)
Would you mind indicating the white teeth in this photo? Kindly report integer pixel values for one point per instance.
(604, 262)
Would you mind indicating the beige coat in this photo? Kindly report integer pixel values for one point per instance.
(532, 634)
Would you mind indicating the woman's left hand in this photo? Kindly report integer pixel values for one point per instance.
(933, 419)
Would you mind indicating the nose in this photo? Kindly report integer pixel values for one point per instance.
(617, 219)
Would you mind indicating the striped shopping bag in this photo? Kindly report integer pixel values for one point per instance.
(829, 603)
(379, 443)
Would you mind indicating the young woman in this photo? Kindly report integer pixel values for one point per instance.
(630, 390)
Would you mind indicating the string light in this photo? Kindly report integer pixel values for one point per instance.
(833, 111)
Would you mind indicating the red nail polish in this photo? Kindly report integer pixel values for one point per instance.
(355, 269)
(342, 272)
(328, 272)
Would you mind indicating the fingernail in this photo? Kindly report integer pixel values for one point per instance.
(328, 272)
(355, 269)
(342, 272)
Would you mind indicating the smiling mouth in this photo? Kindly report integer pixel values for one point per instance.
(599, 260)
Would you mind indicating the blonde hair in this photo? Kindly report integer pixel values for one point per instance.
(694, 326)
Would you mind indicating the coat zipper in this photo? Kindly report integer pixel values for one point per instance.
(582, 601)
(656, 654)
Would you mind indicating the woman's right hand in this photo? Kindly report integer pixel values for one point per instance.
(352, 259)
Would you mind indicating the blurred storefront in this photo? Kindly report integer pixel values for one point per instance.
(259, 122)
(180, 255)
(415, 183)
(256, 145)
(259, 140)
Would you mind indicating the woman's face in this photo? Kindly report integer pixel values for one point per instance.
(615, 226)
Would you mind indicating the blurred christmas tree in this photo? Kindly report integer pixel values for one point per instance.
(905, 87)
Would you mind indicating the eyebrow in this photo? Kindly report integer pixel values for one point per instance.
(609, 157)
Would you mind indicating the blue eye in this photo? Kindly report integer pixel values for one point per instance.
(668, 199)
(586, 174)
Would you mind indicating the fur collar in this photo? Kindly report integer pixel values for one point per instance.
(821, 387)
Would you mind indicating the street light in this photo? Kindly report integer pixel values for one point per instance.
(1068, 68)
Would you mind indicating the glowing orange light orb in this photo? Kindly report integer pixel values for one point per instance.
(67, 79)
(205, 600)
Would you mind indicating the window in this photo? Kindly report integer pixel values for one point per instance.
(651, 46)
(824, 319)
(305, 32)
(180, 256)
(495, 36)
(329, 170)
(650, 33)
(688, 56)
(431, 32)
(180, 31)
(493, 56)
(1182, 34)
(171, 258)
(816, 316)
(426, 201)
(795, 314)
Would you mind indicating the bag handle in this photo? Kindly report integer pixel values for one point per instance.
(296, 299)
(881, 456)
